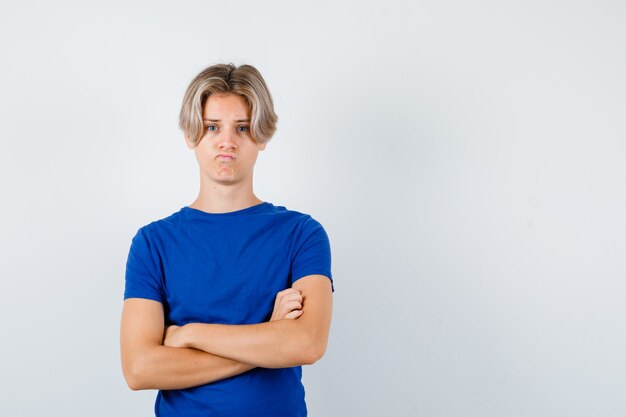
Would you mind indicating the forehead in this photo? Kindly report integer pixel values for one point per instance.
(226, 106)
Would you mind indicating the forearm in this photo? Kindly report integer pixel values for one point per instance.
(163, 367)
(275, 344)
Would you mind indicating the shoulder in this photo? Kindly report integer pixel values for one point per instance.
(303, 226)
(301, 218)
(300, 224)
(160, 228)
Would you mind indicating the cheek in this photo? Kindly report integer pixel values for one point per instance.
(250, 159)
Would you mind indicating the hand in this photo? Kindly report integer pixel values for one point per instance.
(173, 336)
(288, 305)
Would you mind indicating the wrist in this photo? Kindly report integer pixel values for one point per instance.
(188, 333)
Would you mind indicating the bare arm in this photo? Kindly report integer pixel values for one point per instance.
(148, 364)
(275, 344)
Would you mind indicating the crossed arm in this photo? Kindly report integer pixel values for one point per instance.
(199, 353)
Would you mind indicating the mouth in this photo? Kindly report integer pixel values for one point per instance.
(225, 157)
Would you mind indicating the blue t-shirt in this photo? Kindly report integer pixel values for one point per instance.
(227, 268)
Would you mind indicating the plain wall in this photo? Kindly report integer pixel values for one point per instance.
(467, 160)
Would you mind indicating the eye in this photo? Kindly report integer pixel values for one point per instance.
(243, 128)
(211, 128)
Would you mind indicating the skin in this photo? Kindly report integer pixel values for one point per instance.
(148, 363)
(177, 357)
(226, 185)
(275, 344)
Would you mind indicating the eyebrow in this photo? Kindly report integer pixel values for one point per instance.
(218, 120)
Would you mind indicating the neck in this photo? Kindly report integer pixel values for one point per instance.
(224, 198)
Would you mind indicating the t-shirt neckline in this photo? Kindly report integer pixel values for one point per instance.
(204, 215)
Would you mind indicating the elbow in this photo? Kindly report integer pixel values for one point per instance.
(310, 358)
(313, 351)
(134, 384)
(307, 345)
(134, 376)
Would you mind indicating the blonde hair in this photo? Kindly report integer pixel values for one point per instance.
(245, 81)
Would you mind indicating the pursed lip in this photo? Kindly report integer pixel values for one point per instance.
(226, 155)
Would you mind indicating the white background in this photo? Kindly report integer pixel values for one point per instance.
(467, 160)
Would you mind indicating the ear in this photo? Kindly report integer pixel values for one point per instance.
(261, 146)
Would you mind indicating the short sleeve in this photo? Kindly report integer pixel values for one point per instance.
(311, 252)
(143, 274)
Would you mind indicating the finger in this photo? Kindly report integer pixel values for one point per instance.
(286, 299)
(292, 305)
(287, 306)
(289, 291)
(294, 314)
(290, 297)
(291, 311)
(288, 309)
(279, 296)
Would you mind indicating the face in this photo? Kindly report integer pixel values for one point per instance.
(227, 152)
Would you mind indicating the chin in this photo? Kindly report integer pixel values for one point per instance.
(227, 180)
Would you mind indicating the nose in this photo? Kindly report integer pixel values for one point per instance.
(227, 140)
